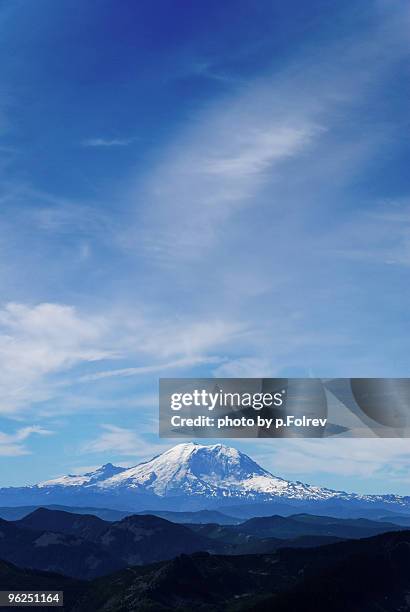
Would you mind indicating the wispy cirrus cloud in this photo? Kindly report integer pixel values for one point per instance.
(114, 439)
(377, 236)
(42, 340)
(41, 344)
(152, 369)
(280, 130)
(245, 367)
(122, 441)
(107, 142)
(367, 458)
(11, 445)
(211, 174)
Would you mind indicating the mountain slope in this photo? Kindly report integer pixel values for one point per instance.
(134, 540)
(84, 526)
(360, 576)
(142, 539)
(42, 549)
(15, 578)
(304, 524)
(147, 539)
(15, 513)
(368, 575)
(199, 517)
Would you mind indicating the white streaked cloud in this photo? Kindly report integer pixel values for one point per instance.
(114, 439)
(107, 142)
(41, 344)
(245, 367)
(213, 173)
(269, 144)
(43, 340)
(11, 445)
(255, 152)
(379, 236)
(121, 441)
(366, 458)
(152, 369)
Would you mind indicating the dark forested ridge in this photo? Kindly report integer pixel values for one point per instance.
(145, 562)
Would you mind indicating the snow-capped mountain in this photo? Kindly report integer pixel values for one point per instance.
(193, 469)
(212, 471)
(89, 478)
(190, 476)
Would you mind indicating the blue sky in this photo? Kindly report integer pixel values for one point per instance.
(198, 189)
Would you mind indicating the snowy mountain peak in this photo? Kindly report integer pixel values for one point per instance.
(74, 480)
(186, 469)
(206, 460)
(215, 471)
(187, 475)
